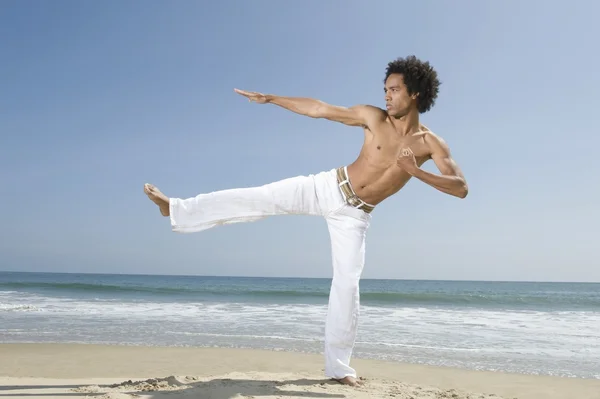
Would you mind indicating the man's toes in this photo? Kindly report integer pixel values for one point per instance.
(151, 190)
(349, 381)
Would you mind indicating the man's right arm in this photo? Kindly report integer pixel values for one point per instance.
(358, 115)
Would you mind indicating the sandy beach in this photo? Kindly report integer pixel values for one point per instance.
(124, 372)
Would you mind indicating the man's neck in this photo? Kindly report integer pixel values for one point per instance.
(407, 124)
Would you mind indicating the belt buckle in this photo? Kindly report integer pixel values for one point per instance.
(355, 201)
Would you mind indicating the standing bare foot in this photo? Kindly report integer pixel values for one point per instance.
(158, 198)
(348, 380)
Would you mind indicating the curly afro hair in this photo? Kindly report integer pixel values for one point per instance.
(419, 77)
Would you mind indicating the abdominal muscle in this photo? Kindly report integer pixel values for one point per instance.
(375, 175)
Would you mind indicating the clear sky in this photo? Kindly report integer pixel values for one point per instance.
(98, 98)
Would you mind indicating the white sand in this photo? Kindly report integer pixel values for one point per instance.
(122, 372)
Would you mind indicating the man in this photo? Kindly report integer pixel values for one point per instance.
(396, 144)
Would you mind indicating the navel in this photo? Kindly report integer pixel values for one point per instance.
(379, 147)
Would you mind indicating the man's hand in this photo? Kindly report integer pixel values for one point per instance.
(407, 160)
(253, 96)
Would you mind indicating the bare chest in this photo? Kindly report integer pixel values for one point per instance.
(388, 147)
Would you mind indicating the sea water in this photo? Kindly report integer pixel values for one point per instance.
(524, 327)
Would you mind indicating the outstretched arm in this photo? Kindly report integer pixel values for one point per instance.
(451, 181)
(358, 115)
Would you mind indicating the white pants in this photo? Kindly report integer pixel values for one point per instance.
(317, 195)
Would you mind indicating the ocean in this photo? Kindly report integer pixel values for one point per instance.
(523, 327)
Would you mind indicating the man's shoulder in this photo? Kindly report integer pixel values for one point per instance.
(370, 109)
(430, 136)
(434, 141)
(374, 108)
(371, 115)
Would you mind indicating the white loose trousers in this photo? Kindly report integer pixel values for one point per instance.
(317, 195)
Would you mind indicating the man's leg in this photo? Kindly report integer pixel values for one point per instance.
(296, 195)
(347, 228)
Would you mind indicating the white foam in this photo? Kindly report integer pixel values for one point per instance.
(480, 338)
(250, 336)
(18, 308)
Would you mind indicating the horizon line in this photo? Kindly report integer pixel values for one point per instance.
(299, 277)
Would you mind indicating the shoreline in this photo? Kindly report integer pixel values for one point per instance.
(315, 353)
(41, 364)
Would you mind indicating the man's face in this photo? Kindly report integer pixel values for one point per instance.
(397, 100)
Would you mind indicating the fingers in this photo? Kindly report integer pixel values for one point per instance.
(251, 96)
(406, 152)
(245, 93)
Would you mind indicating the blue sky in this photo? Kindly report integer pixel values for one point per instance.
(99, 98)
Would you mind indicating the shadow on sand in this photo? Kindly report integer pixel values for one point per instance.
(219, 388)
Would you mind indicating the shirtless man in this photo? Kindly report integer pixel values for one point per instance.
(396, 144)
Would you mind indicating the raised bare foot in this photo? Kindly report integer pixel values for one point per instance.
(158, 198)
(348, 380)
